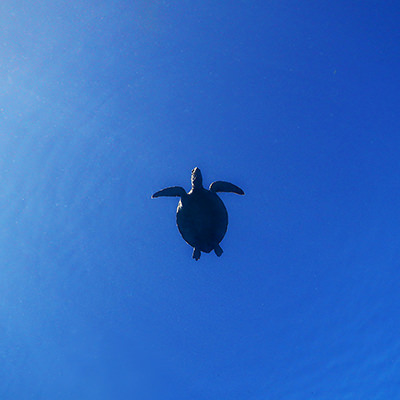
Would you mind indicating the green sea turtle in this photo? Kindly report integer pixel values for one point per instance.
(201, 215)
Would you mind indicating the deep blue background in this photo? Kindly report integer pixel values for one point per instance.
(104, 102)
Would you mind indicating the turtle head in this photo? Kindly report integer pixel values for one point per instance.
(197, 179)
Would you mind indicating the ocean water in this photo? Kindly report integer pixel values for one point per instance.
(104, 103)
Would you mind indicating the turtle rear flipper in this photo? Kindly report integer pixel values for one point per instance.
(218, 250)
(196, 253)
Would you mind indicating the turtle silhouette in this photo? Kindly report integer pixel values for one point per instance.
(201, 215)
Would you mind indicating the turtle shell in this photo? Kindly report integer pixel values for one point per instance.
(202, 219)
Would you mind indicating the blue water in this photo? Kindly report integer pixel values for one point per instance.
(104, 103)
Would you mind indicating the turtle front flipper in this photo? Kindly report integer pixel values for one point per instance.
(196, 253)
(221, 186)
(173, 191)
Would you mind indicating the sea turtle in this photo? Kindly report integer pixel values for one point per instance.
(201, 216)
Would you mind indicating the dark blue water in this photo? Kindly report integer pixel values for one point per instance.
(104, 103)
